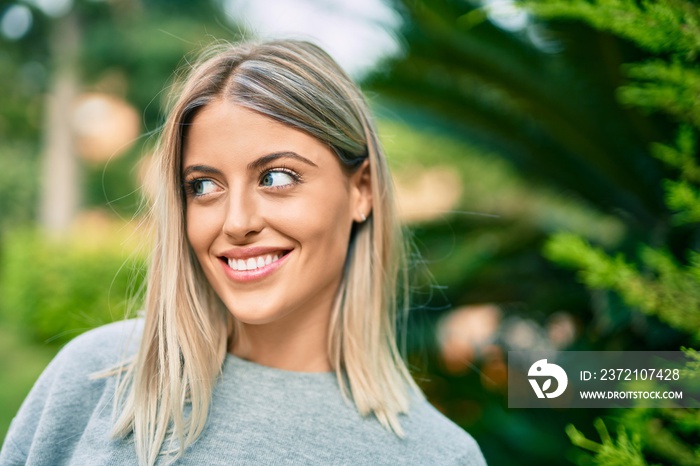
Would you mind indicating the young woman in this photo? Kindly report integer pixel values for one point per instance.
(269, 329)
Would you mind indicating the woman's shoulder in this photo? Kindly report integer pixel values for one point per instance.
(103, 346)
(74, 371)
(97, 350)
(448, 443)
(62, 401)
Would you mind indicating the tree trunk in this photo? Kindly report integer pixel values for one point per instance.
(60, 184)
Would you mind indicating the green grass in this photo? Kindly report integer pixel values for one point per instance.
(21, 362)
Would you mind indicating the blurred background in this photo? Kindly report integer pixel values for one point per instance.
(545, 155)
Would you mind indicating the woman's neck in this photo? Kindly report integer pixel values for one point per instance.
(301, 346)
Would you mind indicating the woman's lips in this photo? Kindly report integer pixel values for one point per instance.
(254, 267)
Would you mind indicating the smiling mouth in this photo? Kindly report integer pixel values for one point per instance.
(255, 262)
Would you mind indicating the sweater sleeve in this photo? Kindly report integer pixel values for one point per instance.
(472, 458)
(24, 425)
(53, 417)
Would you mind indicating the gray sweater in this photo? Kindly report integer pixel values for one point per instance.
(259, 415)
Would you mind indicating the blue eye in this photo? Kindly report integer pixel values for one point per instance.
(202, 187)
(277, 179)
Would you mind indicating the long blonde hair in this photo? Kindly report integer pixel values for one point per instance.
(187, 327)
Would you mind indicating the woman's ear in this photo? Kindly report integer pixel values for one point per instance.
(361, 192)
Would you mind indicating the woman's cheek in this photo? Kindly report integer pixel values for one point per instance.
(202, 226)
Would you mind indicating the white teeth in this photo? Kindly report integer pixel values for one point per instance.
(252, 263)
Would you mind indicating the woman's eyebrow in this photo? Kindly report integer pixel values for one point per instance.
(201, 169)
(266, 159)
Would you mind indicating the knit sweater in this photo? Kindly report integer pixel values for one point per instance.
(258, 415)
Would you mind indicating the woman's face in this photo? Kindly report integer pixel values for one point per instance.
(269, 214)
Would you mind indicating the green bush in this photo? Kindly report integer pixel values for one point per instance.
(663, 280)
(19, 183)
(55, 289)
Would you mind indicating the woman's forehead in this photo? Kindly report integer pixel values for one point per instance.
(223, 129)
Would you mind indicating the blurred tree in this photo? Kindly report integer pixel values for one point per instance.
(60, 172)
(664, 279)
(543, 98)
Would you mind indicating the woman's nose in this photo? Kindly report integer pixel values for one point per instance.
(243, 216)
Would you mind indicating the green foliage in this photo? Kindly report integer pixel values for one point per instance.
(684, 198)
(547, 105)
(661, 434)
(491, 185)
(57, 288)
(662, 27)
(681, 156)
(19, 183)
(692, 369)
(670, 29)
(624, 451)
(542, 100)
(20, 109)
(669, 87)
(665, 288)
(682, 195)
(657, 282)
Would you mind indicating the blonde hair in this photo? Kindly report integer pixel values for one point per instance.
(186, 325)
